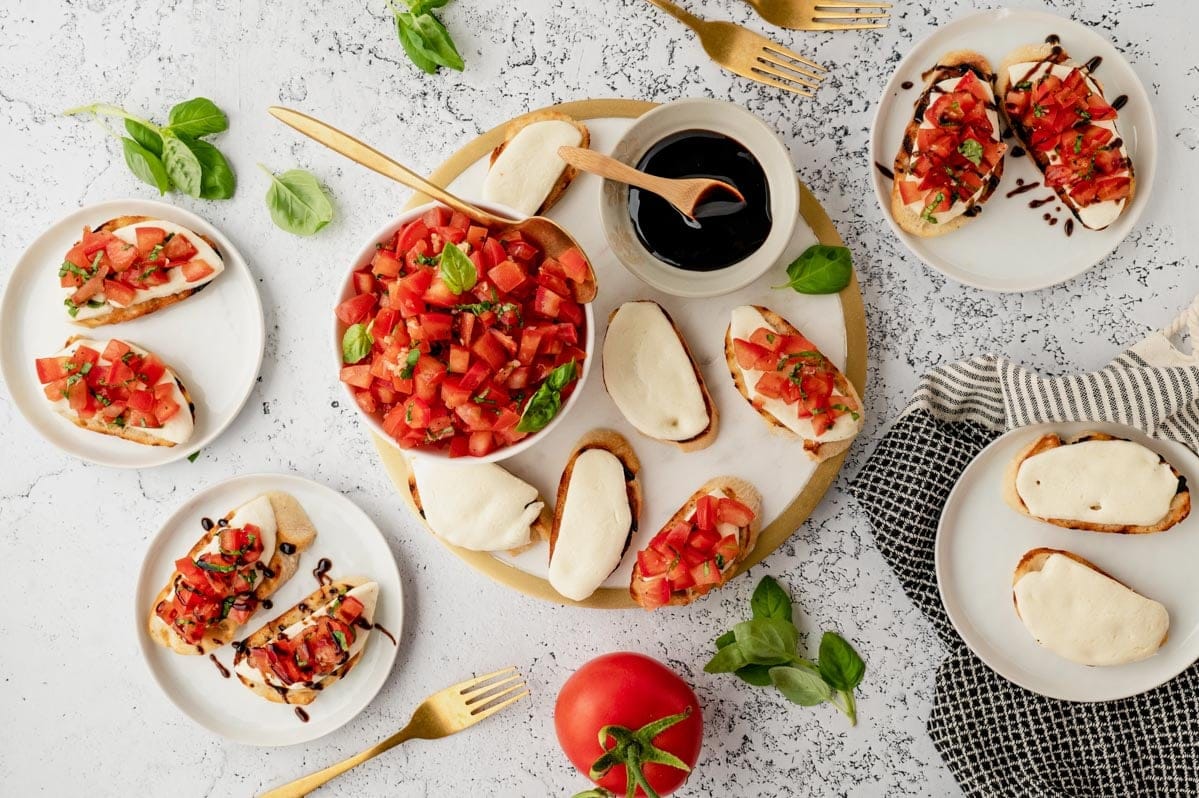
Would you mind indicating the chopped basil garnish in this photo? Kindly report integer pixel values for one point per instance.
(410, 363)
(340, 637)
(211, 566)
(972, 151)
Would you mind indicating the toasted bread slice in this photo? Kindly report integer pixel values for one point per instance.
(301, 693)
(293, 529)
(625, 403)
(598, 562)
(817, 450)
(747, 537)
(1054, 54)
(1179, 508)
(117, 315)
(568, 172)
(951, 65)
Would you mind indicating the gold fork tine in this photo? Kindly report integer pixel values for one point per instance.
(473, 684)
(792, 71)
(778, 48)
(488, 711)
(492, 690)
(823, 4)
(778, 84)
(822, 15)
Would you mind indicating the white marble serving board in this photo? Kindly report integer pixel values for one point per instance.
(745, 447)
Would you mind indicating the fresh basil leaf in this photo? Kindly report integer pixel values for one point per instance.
(545, 403)
(770, 600)
(757, 675)
(560, 377)
(457, 269)
(145, 136)
(217, 180)
(425, 6)
(145, 165)
(413, 44)
(726, 639)
(972, 151)
(821, 269)
(729, 659)
(356, 343)
(191, 458)
(182, 165)
(767, 641)
(800, 685)
(438, 42)
(297, 202)
(840, 665)
(197, 117)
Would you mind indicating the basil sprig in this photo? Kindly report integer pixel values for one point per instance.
(545, 403)
(763, 652)
(173, 156)
(356, 343)
(821, 269)
(457, 269)
(297, 202)
(423, 37)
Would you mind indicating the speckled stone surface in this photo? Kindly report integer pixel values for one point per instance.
(79, 712)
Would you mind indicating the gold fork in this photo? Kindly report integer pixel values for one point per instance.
(821, 14)
(744, 52)
(442, 714)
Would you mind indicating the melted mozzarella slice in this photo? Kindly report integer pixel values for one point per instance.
(1086, 617)
(594, 527)
(477, 506)
(178, 428)
(650, 377)
(1101, 482)
(525, 172)
(746, 319)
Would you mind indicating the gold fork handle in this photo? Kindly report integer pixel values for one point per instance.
(368, 156)
(682, 15)
(306, 784)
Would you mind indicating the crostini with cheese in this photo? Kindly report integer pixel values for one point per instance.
(1097, 482)
(1084, 615)
(133, 265)
(793, 386)
(526, 173)
(235, 565)
(292, 659)
(654, 380)
(117, 388)
(701, 545)
(595, 515)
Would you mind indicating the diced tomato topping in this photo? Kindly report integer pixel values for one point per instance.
(356, 309)
(148, 238)
(119, 293)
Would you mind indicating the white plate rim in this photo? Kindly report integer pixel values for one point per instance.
(188, 506)
(1129, 219)
(233, 257)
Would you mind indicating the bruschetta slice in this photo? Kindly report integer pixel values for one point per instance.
(526, 173)
(311, 646)
(1057, 110)
(1082, 614)
(237, 563)
(652, 377)
(134, 265)
(701, 545)
(596, 513)
(476, 506)
(951, 157)
(1099, 483)
(117, 388)
(795, 389)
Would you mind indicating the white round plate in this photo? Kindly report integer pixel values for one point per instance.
(1009, 247)
(213, 340)
(356, 547)
(981, 539)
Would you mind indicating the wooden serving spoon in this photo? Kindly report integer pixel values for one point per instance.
(548, 235)
(684, 194)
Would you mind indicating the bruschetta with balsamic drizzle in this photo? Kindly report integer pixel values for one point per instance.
(796, 390)
(1057, 110)
(133, 265)
(951, 157)
(235, 565)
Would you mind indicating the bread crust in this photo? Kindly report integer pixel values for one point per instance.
(705, 437)
(1057, 54)
(816, 450)
(294, 527)
(118, 315)
(569, 173)
(299, 695)
(615, 444)
(1180, 505)
(952, 64)
(734, 488)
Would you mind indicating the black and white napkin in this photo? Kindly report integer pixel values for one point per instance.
(996, 738)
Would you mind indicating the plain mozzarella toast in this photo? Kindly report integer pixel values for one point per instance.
(525, 172)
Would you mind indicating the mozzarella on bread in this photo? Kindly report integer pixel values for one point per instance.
(595, 523)
(477, 506)
(650, 376)
(525, 172)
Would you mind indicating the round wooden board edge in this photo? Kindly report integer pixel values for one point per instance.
(778, 530)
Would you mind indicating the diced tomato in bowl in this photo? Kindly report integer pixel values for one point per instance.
(443, 355)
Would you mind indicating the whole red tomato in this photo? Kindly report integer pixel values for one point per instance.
(651, 722)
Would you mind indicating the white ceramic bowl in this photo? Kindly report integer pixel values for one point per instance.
(346, 290)
(721, 117)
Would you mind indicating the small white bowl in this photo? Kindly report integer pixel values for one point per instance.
(763, 143)
(346, 290)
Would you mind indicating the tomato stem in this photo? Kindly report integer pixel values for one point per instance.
(635, 748)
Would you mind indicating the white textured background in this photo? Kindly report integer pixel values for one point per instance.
(78, 711)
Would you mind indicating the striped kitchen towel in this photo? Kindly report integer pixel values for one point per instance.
(996, 738)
